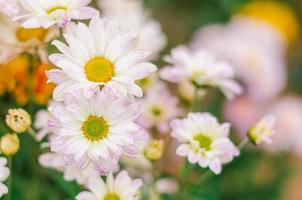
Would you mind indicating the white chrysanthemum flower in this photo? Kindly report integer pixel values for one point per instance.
(255, 50)
(97, 130)
(98, 55)
(71, 172)
(15, 39)
(262, 131)
(160, 107)
(132, 15)
(4, 173)
(205, 141)
(120, 188)
(202, 69)
(45, 13)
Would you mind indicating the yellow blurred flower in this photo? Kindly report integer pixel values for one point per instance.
(276, 14)
(18, 120)
(154, 150)
(9, 144)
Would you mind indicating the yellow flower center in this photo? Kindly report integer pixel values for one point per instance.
(25, 35)
(204, 141)
(99, 69)
(156, 111)
(95, 128)
(111, 196)
(55, 8)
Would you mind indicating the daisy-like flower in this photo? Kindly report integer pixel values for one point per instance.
(71, 172)
(96, 130)
(205, 141)
(262, 131)
(97, 55)
(45, 13)
(160, 107)
(120, 188)
(201, 68)
(15, 39)
(132, 15)
(4, 173)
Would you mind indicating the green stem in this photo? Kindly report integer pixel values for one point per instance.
(31, 132)
(196, 101)
(10, 178)
(243, 143)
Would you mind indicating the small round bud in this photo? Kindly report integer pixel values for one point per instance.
(18, 120)
(9, 144)
(154, 150)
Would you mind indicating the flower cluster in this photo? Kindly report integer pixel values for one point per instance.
(110, 112)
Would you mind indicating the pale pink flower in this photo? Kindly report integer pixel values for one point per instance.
(204, 141)
(121, 187)
(201, 68)
(159, 108)
(45, 13)
(255, 50)
(41, 124)
(288, 135)
(97, 130)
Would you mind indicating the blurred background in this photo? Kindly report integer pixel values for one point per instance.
(262, 40)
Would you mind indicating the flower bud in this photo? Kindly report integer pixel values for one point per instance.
(9, 144)
(262, 131)
(154, 150)
(18, 120)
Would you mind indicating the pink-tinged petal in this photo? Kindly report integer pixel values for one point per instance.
(86, 196)
(83, 13)
(215, 166)
(56, 76)
(183, 150)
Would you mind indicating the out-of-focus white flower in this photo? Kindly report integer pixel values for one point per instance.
(120, 188)
(97, 130)
(159, 108)
(41, 124)
(11, 8)
(205, 141)
(4, 173)
(98, 55)
(287, 136)
(45, 13)
(132, 16)
(262, 131)
(166, 185)
(255, 49)
(18, 120)
(71, 172)
(15, 40)
(201, 68)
